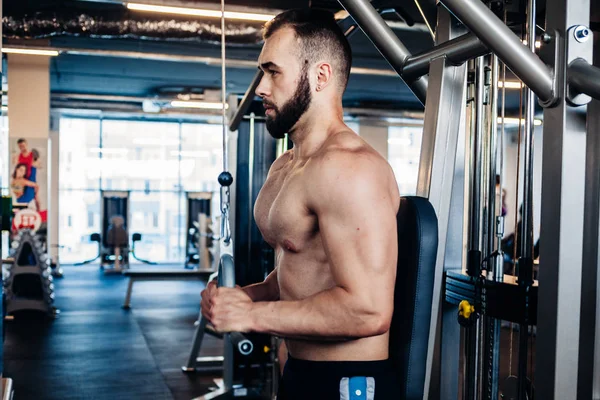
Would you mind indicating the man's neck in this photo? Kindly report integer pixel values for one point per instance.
(314, 128)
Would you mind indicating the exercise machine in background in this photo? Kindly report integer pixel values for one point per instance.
(199, 243)
(113, 241)
(460, 157)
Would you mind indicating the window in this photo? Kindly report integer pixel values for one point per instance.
(404, 151)
(74, 232)
(201, 157)
(79, 165)
(154, 167)
(155, 161)
(150, 214)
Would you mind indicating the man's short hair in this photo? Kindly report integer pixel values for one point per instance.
(321, 38)
(21, 141)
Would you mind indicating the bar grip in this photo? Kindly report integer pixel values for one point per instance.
(241, 343)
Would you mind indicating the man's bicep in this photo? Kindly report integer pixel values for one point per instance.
(360, 238)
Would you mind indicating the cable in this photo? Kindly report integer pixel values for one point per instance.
(224, 90)
(426, 21)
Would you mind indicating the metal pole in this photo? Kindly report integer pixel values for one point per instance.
(491, 336)
(472, 336)
(502, 41)
(224, 90)
(588, 383)
(525, 263)
(385, 40)
(526, 234)
(456, 51)
(474, 240)
(584, 78)
(562, 212)
(441, 174)
(246, 102)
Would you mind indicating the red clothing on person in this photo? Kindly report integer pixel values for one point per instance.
(27, 160)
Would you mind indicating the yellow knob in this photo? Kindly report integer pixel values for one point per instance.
(465, 309)
(266, 349)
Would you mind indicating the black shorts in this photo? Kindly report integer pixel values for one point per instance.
(324, 380)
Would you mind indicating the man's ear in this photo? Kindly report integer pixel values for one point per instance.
(324, 75)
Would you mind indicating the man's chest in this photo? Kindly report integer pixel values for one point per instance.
(282, 213)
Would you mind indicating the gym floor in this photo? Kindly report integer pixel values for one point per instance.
(96, 350)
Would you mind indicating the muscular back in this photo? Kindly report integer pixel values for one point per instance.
(290, 212)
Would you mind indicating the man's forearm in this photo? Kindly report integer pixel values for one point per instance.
(330, 315)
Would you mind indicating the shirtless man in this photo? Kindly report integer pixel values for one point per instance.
(328, 208)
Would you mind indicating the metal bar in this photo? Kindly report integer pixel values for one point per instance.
(502, 41)
(127, 302)
(246, 102)
(384, 39)
(493, 161)
(491, 326)
(474, 241)
(457, 51)
(562, 213)
(191, 364)
(589, 349)
(440, 172)
(526, 234)
(585, 78)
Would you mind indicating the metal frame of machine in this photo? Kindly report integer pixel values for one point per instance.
(564, 80)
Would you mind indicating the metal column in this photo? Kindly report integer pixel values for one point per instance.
(440, 164)
(588, 386)
(562, 219)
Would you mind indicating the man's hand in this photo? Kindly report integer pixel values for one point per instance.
(227, 309)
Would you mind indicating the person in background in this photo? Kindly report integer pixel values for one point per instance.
(24, 157)
(20, 183)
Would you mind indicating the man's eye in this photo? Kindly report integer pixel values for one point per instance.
(272, 72)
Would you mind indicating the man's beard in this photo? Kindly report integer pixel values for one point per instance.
(292, 111)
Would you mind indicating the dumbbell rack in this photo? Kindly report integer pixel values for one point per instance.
(28, 280)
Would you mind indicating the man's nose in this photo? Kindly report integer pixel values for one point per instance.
(262, 88)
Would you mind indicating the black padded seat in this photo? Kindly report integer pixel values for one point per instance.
(417, 252)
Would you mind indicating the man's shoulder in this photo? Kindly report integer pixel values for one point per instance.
(349, 153)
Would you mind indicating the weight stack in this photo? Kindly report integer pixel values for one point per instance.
(28, 281)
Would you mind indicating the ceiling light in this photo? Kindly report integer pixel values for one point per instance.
(198, 12)
(538, 44)
(515, 121)
(205, 105)
(31, 52)
(510, 84)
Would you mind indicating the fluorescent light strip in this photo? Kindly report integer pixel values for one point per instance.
(205, 105)
(515, 121)
(31, 52)
(510, 84)
(198, 12)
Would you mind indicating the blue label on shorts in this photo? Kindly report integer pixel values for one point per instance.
(357, 388)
